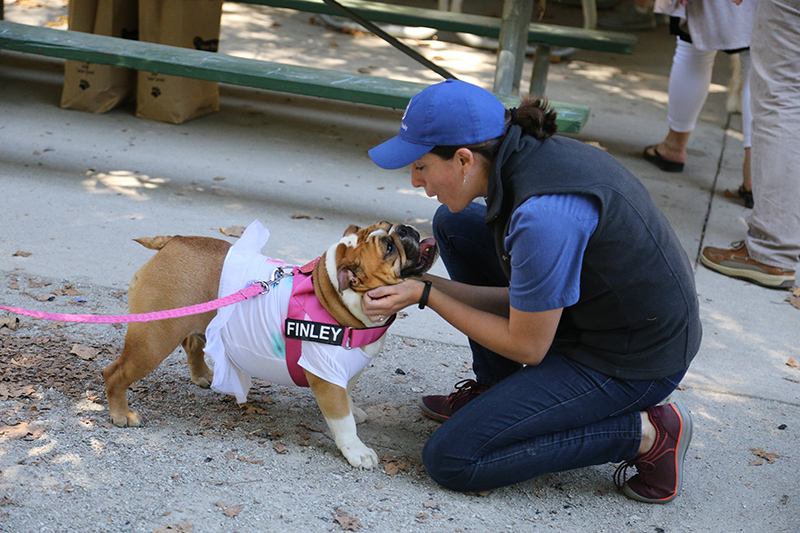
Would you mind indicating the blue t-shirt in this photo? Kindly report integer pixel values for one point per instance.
(546, 239)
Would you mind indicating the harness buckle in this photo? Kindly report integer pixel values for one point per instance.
(348, 338)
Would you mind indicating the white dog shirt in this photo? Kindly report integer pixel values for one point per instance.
(245, 340)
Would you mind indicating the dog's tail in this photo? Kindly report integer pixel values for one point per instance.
(154, 243)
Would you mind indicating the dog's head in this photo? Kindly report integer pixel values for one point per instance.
(381, 254)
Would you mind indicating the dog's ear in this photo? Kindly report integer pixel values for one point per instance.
(347, 279)
(351, 229)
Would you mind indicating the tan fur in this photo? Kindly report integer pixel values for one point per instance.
(186, 271)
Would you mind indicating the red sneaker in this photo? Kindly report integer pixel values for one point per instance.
(660, 471)
(440, 408)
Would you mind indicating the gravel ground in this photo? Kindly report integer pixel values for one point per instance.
(203, 463)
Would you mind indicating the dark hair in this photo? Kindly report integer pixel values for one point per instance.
(532, 115)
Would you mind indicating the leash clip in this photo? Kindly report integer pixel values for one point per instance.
(277, 275)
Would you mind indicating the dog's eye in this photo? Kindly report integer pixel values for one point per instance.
(389, 247)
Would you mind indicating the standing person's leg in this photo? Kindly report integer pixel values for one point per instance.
(689, 82)
(774, 225)
(771, 249)
(557, 416)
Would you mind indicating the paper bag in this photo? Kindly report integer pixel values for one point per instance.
(188, 24)
(99, 88)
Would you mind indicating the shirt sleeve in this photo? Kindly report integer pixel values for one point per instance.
(546, 241)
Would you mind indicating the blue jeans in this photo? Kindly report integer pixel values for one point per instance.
(534, 420)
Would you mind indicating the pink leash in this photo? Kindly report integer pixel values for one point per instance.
(248, 292)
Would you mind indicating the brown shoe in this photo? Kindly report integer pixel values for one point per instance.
(736, 263)
(440, 408)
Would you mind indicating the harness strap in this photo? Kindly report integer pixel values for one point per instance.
(304, 302)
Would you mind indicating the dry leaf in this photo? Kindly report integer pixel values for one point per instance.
(280, 447)
(756, 462)
(796, 291)
(84, 352)
(297, 217)
(20, 253)
(364, 71)
(769, 456)
(233, 231)
(348, 523)
(794, 301)
(792, 363)
(9, 321)
(230, 510)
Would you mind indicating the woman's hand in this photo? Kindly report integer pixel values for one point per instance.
(387, 300)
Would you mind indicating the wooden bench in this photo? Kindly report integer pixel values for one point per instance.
(151, 57)
(544, 36)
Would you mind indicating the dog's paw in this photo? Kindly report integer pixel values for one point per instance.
(360, 456)
(203, 381)
(130, 419)
(358, 414)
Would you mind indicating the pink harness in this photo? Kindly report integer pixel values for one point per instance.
(304, 302)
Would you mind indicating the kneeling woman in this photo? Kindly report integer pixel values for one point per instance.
(575, 293)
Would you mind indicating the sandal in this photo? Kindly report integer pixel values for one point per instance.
(660, 161)
(746, 195)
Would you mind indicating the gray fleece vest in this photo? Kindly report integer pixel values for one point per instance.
(637, 316)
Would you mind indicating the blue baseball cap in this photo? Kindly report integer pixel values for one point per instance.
(450, 113)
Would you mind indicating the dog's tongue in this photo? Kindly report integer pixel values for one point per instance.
(424, 246)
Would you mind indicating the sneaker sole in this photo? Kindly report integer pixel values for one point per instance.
(680, 454)
(761, 278)
(430, 414)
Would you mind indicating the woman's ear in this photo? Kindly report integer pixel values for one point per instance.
(465, 158)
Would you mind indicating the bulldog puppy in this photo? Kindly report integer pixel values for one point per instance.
(247, 338)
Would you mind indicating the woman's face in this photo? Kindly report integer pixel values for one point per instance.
(454, 182)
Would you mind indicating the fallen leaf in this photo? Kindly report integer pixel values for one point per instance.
(792, 363)
(347, 523)
(219, 178)
(233, 231)
(364, 71)
(756, 462)
(312, 427)
(280, 447)
(298, 217)
(794, 301)
(230, 510)
(20, 253)
(10, 322)
(796, 291)
(769, 456)
(84, 352)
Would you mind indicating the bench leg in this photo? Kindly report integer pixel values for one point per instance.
(541, 65)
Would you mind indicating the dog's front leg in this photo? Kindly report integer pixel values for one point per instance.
(358, 414)
(335, 406)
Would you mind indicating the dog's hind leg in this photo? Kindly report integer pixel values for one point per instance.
(146, 346)
(201, 375)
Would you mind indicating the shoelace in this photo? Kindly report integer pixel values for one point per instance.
(464, 388)
(642, 466)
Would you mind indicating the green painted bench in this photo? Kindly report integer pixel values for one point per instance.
(543, 36)
(151, 57)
